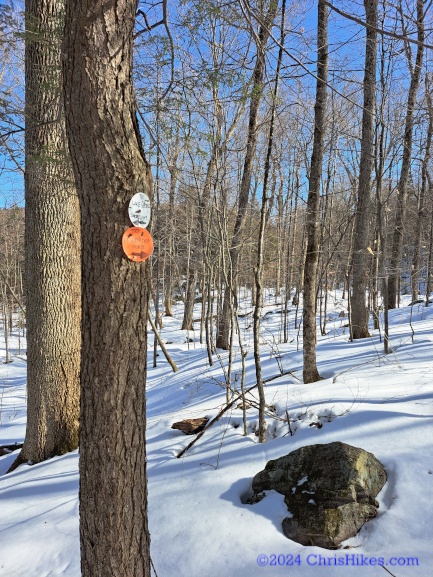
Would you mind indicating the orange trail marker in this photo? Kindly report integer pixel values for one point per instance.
(137, 244)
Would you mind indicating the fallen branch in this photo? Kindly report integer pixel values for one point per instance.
(153, 567)
(161, 344)
(7, 449)
(18, 301)
(383, 567)
(225, 409)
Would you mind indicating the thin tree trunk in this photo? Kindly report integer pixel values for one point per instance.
(310, 372)
(258, 270)
(360, 254)
(291, 258)
(289, 265)
(376, 317)
(281, 206)
(430, 250)
(243, 355)
(416, 253)
(174, 172)
(397, 245)
(5, 324)
(187, 324)
(236, 245)
(379, 160)
(208, 320)
(348, 262)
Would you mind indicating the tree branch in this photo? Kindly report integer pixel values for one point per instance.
(225, 409)
(379, 30)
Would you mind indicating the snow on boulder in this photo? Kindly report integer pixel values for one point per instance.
(329, 490)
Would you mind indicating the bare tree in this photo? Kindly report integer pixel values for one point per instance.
(415, 75)
(244, 192)
(418, 227)
(360, 255)
(258, 269)
(310, 372)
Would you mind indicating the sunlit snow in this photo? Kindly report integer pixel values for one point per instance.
(199, 522)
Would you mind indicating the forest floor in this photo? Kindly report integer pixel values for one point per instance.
(198, 521)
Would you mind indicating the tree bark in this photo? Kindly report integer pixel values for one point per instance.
(174, 170)
(416, 252)
(52, 247)
(110, 167)
(360, 255)
(187, 323)
(397, 245)
(310, 372)
(430, 249)
(379, 161)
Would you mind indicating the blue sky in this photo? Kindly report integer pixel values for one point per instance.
(346, 43)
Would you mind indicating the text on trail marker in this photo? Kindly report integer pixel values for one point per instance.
(137, 243)
(139, 210)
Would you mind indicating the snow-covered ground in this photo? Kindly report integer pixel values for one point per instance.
(198, 520)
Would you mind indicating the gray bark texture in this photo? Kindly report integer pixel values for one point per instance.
(310, 372)
(360, 256)
(414, 276)
(52, 247)
(110, 167)
(397, 244)
(188, 317)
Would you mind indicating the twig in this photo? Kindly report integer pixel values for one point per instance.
(13, 156)
(161, 344)
(20, 304)
(288, 422)
(149, 28)
(153, 567)
(379, 30)
(383, 567)
(361, 364)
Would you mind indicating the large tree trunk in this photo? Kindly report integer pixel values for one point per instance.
(244, 192)
(310, 372)
(52, 246)
(397, 245)
(362, 214)
(110, 167)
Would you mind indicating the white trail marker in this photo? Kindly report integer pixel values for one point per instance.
(139, 210)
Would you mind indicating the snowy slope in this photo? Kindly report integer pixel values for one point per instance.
(199, 524)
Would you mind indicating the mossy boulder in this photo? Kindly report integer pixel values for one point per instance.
(329, 490)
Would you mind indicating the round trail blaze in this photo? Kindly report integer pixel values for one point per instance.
(137, 244)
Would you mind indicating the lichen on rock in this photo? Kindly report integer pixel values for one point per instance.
(341, 480)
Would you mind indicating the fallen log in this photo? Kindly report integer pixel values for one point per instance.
(190, 426)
